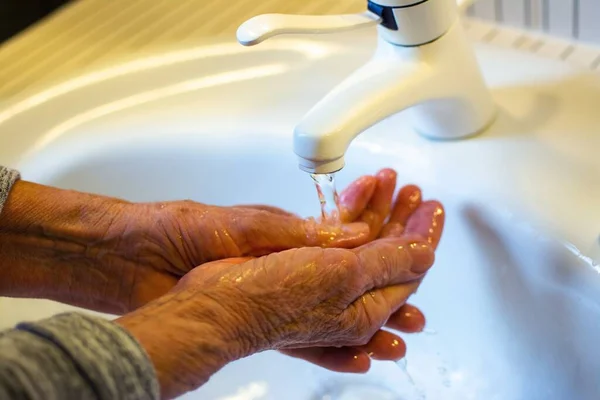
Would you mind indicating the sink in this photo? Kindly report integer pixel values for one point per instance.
(513, 303)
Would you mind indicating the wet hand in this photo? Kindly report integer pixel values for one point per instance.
(167, 240)
(295, 299)
(406, 217)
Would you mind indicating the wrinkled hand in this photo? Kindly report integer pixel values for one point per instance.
(167, 240)
(409, 217)
(299, 298)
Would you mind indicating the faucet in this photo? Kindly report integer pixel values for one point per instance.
(423, 63)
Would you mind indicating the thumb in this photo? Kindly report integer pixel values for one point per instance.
(427, 222)
(268, 233)
(315, 234)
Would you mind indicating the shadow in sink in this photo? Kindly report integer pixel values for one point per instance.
(528, 108)
(540, 110)
(550, 331)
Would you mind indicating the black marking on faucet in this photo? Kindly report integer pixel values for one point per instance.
(386, 14)
(417, 3)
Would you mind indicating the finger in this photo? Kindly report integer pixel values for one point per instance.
(407, 201)
(354, 199)
(385, 346)
(396, 296)
(271, 209)
(373, 309)
(343, 236)
(428, 222)
(392, 261)
(338, 359)
(379, 206)
(408, 319)
(266, 232)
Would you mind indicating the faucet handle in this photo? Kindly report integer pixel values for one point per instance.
(262, 27)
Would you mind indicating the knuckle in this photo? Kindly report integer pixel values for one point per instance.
(341, 263)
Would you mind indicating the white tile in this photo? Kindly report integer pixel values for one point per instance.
(485, 9)
(560, 17)
(528, 43)
(556, 49)
(585, 56)
(536, 7)
(513, 13)
(589, 15)
(479, 29)
(507, 38)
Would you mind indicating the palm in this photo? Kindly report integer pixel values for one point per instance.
(192, 234)
(408, 216)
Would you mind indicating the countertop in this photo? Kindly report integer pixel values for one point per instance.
(88, 34)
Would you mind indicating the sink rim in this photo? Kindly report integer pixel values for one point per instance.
(383, 139)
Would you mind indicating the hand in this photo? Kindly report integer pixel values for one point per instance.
(300, 298)
(112, 256)
(167, 240)
(409, 217)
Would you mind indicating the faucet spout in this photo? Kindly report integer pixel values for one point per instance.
(440, 82)
(373, 92)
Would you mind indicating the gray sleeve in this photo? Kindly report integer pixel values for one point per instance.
(7, 178)
(72, 355)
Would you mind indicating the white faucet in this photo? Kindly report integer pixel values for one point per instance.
(423, 62)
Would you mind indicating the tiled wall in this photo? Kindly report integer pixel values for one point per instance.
(579, 19)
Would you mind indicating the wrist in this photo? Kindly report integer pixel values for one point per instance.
(58, 244)
(185, 344)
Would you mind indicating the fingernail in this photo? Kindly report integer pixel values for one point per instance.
(422, 255)
(387, 173)
(408, 319)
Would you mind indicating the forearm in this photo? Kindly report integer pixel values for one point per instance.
(59, 245)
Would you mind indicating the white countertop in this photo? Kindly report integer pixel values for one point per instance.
(89, 34)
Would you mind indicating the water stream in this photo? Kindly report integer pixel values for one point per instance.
(329, 202)
(328, 197)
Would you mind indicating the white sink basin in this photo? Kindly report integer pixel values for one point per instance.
(513, 305)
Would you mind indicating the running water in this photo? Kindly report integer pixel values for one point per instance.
(403, 365)
(329, 201)
(328, 197)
